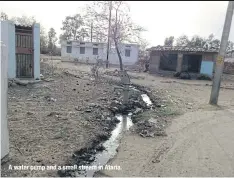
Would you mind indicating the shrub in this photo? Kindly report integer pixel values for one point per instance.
(204, 77)
(177, 74)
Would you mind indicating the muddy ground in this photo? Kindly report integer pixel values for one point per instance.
(61, 116)
(51, 119)
(51, 122)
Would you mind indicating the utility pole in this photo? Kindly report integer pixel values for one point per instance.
(91, 32)
(108, 40)
(222, 51)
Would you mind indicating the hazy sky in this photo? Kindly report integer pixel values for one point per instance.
(161, 19)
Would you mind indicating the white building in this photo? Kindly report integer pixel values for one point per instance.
(4, 88)
(91, 51)
(20, 58)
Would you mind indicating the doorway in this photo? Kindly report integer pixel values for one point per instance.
(24, 51)
(168, 62)
(192, 63)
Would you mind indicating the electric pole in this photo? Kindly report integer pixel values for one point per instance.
(222, 52)
(108, 40)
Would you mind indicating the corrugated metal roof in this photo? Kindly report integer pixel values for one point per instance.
(182, 49)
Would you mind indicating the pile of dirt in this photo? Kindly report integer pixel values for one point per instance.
(85, 156)
(154, 98)
(115, 73)
(147, 128)
(112, 73)
(134, 104)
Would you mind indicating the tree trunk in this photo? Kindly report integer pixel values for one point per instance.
(115, 40)
(119, 55)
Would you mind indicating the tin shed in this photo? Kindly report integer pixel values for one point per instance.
(176, 58)
(23, 49)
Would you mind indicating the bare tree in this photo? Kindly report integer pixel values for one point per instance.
(117, 36)
(4, 16)
(98, 14)
(122, 28)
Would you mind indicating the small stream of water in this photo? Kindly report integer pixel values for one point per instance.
(111, 145)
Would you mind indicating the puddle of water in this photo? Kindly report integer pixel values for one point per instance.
(146, 99)
(111, 144)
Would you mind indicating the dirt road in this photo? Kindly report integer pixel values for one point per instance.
(199, 144)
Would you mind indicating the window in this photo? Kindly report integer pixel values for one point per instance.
(81, 43)
(95, 44)
(69, 42)
(69, 49)
(95, 51)
(127, 52)
(82, 50)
